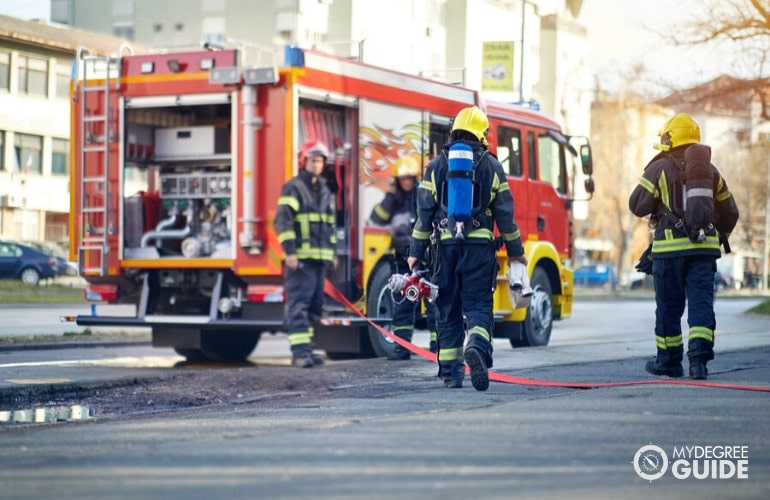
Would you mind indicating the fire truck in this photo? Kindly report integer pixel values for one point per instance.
(179, 159)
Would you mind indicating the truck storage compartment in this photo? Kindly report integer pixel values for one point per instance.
(191, 141)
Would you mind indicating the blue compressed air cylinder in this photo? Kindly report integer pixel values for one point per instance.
(460, 183)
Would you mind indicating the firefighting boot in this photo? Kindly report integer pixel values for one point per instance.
(399, 354)
(455, 380)
(698, 370)
(671, 369)
(302, 357)
(478, 365)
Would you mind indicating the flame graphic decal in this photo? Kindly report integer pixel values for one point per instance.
(380, 147)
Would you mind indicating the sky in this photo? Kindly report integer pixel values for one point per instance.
(626, 32)
(26, 9)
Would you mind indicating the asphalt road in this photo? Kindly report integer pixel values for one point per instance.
(385, 430)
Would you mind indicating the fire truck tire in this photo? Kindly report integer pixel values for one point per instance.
(537, 326)
(341, 356)
(228, 346)
(379, 304)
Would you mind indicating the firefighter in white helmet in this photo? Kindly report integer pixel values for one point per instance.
(304, 223)
(398, 211)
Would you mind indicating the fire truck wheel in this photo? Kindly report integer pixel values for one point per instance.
(537, 326)
(228, 346)
(379, 304)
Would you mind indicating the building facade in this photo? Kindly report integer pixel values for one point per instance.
(441, 39)
(35, 68)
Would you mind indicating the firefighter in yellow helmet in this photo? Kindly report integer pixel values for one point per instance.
(398, 211)
(304, 223)
(678, 130)
(465, 268)
(683, 265)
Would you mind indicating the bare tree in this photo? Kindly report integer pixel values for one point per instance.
(620, 122)
(745, 26)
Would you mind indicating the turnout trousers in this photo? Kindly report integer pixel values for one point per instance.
(304, 288)
(678, 281)
(466, 275)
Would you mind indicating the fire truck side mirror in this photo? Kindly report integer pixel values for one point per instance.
(586, 159)
(589, 185)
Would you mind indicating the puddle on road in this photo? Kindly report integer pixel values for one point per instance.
(45, 415)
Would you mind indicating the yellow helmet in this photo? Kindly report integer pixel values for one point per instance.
(472, 120)
(406, 166)
(681, 129)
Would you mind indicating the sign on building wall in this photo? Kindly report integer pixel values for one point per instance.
(497, 67)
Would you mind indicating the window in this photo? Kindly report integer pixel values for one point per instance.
(5, 70)
(9, 250)
(2, 150)
(509, 150)
(29, 153)
(63, 80)
(123, 30)
(157, 28)
(60, 159)
(33, 76)
(551, 156)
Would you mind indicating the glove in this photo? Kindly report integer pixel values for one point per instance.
(645, 261)
(519, 289)
(518, 279)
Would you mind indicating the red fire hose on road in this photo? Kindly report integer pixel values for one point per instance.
(332, 291)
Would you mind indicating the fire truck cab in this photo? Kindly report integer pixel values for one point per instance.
(179, 159)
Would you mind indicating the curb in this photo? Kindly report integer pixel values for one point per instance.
(33, 394)
(73, 345)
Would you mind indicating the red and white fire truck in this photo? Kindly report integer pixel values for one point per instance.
(178, 162)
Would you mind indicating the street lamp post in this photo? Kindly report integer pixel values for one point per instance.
(521, 50)
(521, 58)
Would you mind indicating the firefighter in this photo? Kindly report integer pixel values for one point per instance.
(398, 210)
(465, 269)
(304, 223)
(683, 270)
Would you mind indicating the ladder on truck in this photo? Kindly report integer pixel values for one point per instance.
(93, 74)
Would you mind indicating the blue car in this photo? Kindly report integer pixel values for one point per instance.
(63, 267)
(27, 264)
(596, 275)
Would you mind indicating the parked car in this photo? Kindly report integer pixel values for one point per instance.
(19, 261)
(596, 275)
(723, 282)
(63, 267)
(635, 280)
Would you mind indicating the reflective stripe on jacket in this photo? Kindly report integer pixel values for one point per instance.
(654, 196)
(305, 218)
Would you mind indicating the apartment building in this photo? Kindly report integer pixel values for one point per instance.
(35, 69)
